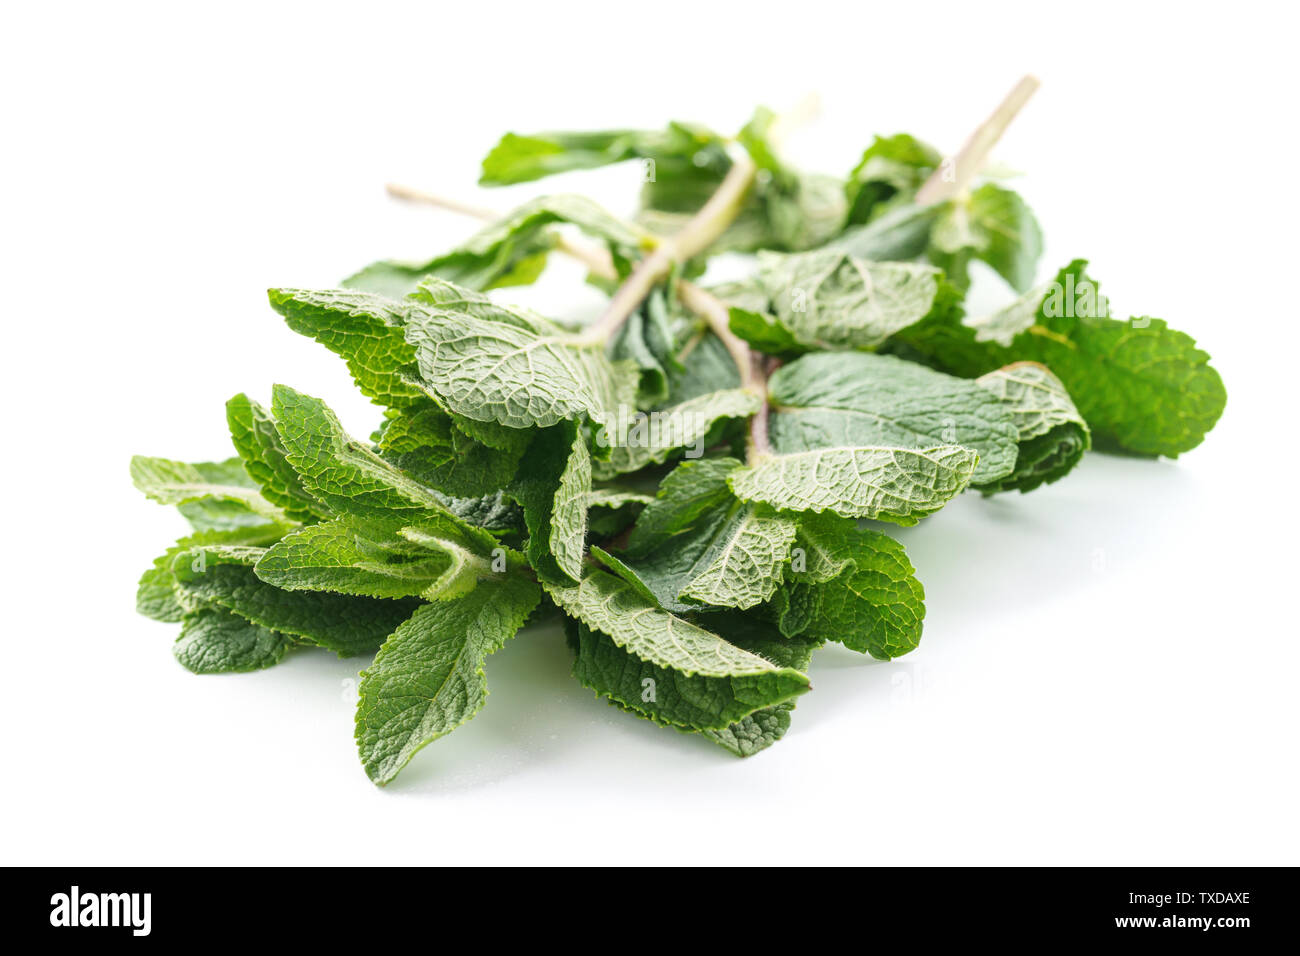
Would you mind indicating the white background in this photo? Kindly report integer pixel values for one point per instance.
(1109, 667)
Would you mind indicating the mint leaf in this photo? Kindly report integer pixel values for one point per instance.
(366, 330)
(992, 224)
(761, 729)
(653, 438)
(699, 679)
(382, 558)
(212, 495)
(338, 470)
(518, 159)
(874, 605)
(647, 338)
(223, 575)
(848, 399)
(427, 443)
(215, 641)
(695, 544)
(611, 510)
(553, 487)
(511, 251)
(886, 482)
(517, 369)
(670, 697)
(614, 607)
(428, 677)
(156, 593)
(255, 438)
(1053, 435)
(1140, 385)
(893, 167)
(831, 300)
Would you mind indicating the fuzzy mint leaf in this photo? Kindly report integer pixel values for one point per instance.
(255, 438)
(212, 495)
(761, 729)
(1053, 435)
(347, 475)
(366, 330)
(828, 299)
(695, 545)
(874, 605)
(991, 224)
(612, 510)
(517, 369)
(647, 338)
(613, 606)
(425, 442)
(687, 703)
(428, 677)
(707, 682)
(376, 557)
(156, 593)
(1141, 386)
(215, 641)
(512, 251)
(652, 439)
(892, 168)
(518, 159)
(553, 487)
(885, 482)
(223, 576)
(850, 399)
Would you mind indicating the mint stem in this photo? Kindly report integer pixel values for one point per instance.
(700, 232)
(970, 158)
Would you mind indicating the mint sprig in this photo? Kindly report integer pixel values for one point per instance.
(683, 480)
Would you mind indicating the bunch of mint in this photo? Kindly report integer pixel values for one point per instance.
(683, 481)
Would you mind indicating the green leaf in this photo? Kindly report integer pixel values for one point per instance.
(832, 300)
(850, 399)
(1140, 385)
(215, 641)
(696, 545)
(901, 234)
(647, 338)
(874, 605)
(223, 575)
(763, 331)
(156, 594)
(614, 608)
(1053, 435)
(212, 495)
(518, 159)
(553, 486)
(426, 443)
(494, 364)
(428, 677)
(654, 437)
(511, 251)
(374, 557)
(366, 330)
(992, 224)
(761, 729)
(255, 438)
(893, 167)
(612, 510)
(699, 679)
(494, 512)
(885, 482)
(337, 469)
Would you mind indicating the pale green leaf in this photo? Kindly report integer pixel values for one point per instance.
(851, 399)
